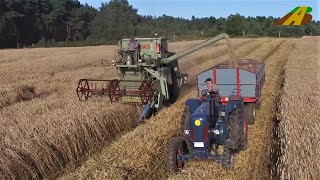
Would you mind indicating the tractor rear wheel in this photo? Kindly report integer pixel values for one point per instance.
(237, 134)
(176, 147)
(251, 113)
(244, 144)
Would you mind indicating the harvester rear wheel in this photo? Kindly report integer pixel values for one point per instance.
(251, 113)
(176, 147)
(175, 90)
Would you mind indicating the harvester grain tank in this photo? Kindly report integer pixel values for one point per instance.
(149, 75)
(215, 125)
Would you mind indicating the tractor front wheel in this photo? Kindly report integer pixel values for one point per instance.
(251, 113)
(176, 148)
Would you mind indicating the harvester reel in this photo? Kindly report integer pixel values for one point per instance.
(146, 92)
(83, 90)
(114, 90)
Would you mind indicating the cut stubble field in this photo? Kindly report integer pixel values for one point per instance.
(46, 129)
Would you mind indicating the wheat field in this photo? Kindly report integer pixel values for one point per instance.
(298, 113)
(45, 127)
(47, 133)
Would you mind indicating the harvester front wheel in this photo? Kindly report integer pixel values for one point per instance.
(176, 148)
(251, 113)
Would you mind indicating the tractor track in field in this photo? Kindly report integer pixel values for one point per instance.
(280, 60)
(97, 166)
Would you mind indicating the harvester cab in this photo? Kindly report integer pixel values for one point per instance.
(149, 75)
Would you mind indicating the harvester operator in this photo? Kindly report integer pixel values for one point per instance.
(133, 50)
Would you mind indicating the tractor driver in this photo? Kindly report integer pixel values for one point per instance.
(211, 87)
(211, 90)
(133, 49)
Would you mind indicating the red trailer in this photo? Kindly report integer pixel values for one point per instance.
(246, 80)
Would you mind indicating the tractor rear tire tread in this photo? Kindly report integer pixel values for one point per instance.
(251, 113)
(236, 140)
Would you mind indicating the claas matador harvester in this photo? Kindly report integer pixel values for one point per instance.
(149, 76)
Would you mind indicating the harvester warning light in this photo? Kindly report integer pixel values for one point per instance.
(158, 48)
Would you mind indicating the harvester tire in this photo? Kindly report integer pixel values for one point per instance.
(176, 147)
(237, 134)
(175, 91)
(251, 113)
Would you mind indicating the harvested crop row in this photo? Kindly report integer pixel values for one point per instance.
(141, 153)
(40, 142)
(298, 113)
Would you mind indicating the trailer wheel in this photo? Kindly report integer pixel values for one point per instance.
(237, 130)
(258, 103)
(176, 148)
(251, 113)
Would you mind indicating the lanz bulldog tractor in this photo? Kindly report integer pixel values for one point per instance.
(215, 126)
(149, 75)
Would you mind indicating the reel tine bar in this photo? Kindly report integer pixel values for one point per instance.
(87, 87)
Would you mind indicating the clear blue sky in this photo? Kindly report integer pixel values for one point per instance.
(217, 8)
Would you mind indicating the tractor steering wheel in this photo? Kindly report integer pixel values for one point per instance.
(204, 93)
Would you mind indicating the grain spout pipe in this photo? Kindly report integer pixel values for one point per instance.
(197, 47)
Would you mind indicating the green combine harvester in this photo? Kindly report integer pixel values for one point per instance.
(149, 75)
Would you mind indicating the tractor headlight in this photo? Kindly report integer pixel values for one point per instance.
(197, 122)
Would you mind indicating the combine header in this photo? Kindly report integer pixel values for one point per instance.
(149, 75)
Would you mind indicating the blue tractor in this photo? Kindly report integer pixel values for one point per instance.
(211, 130)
